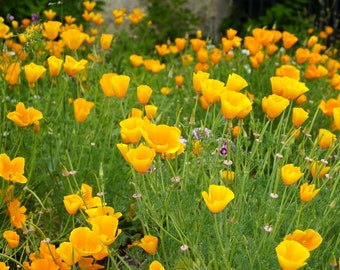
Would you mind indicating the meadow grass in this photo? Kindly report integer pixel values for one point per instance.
(62, 153)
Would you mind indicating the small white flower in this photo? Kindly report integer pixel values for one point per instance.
(268, 228)
(136, 195)
(228, 162)
(278, 155)
(324, 161)
(308, 159)
(184, 247)
(47, 240)
(176, 179)
(274, 196)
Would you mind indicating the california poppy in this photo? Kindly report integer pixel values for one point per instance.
(12, 238)
(24, 117)
(290, 174)
(141, 158)
(308, 192)
(291, 254)
(33, 72)
(218, 198)
(143, 94)
(51, 29)
(309, 238)
(274, 105)
(72, 66)
(82, 109)
(148, 243)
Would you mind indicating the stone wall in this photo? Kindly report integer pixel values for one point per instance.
(210, 12)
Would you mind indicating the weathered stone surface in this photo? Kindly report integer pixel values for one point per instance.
(210, 12)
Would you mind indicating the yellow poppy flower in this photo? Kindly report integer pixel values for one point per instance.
(141, 158)
(274, 105)
(12, 238)
(82, 109)
(325, 138)
(308, 192)
(291, 254)
(290, 174)
(309, 238)
(218, 198)
(51, 29)
(85, 241)
(143, 94)
(72, 66)
(33, 72)
(148, 243)
(24, 117)
(299, 117)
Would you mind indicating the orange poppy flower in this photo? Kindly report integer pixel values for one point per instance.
(211, 90)
(336, 116)
(12, 238)
(89, 5)
(162, 49)
(12, 170)
(288, 71)
(72, 66)
(156, 265)
(252, 45)
(274, 105)
(309, 238)
(287, 87)
(179, 79)
(50, 14)
(16, 213)
(154, 66)
(72, 203)
(236, 82)
(326, 138)
(106, 228)
(288, 40)
(257, 59)
(68, 253)
(106, 41)
(33, 72)
(143, 94)
(197, 78)
(82, 109)
(4, 31)
(180, 43)
(151, 111)
(308, 192)
(290, 174)
(73, 38)
(299, 117)
(54, 65)
(197, 44)
(141, 158)
(319, 169)
(163, 138)
(218, 198)
(136, 60)
(115, 85)
(136, 16)
(235, 104)
(131, 129)
(12, 73)
(51, 29)
(148, 243)
(24, 117)
(85, 241)
(291, 254)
